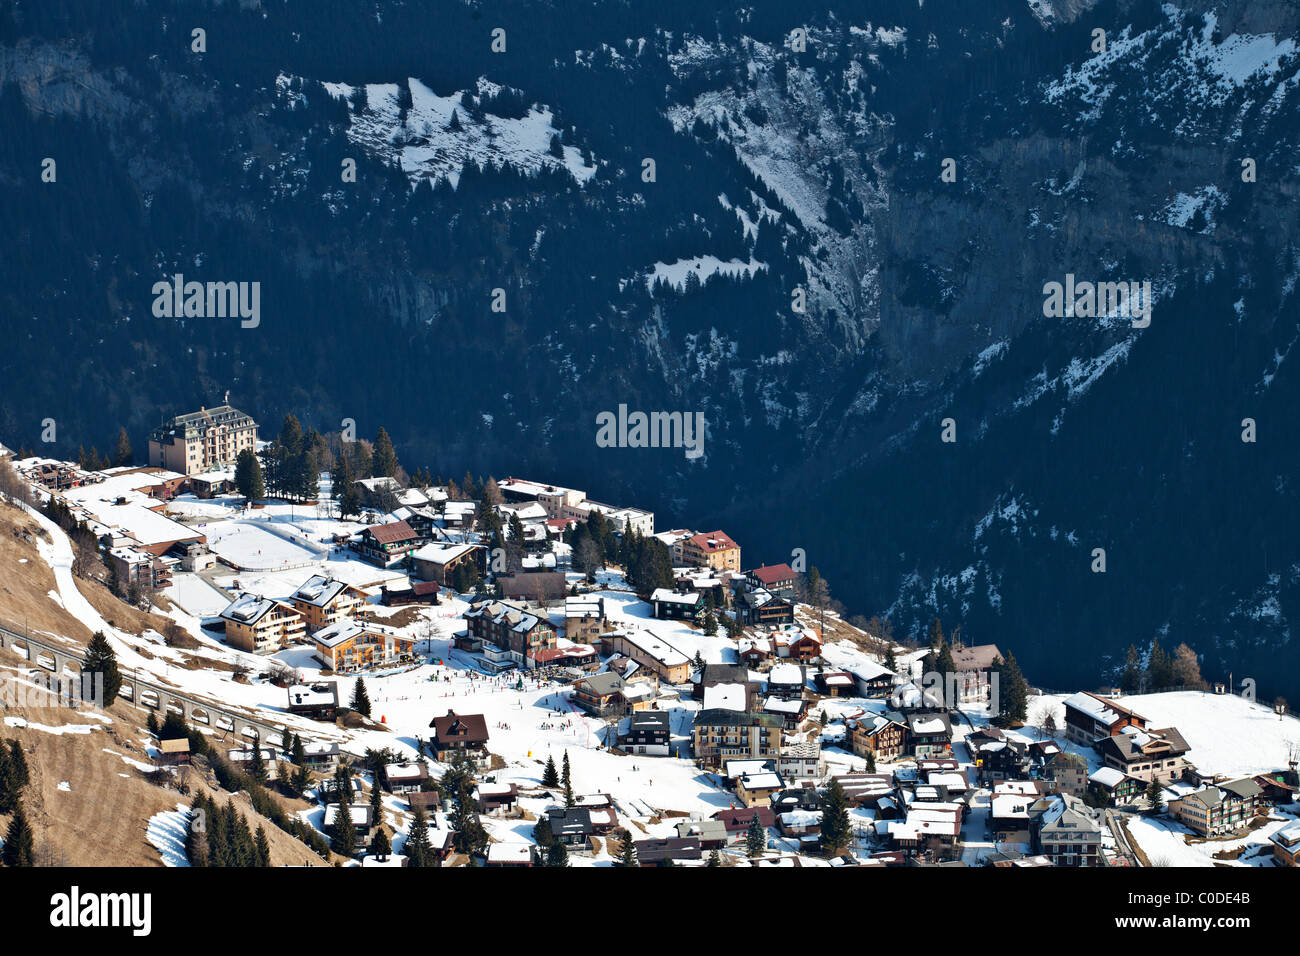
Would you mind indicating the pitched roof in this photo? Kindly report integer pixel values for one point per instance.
(453, 726)
(713, 541)
(774, 574)
(392, 532)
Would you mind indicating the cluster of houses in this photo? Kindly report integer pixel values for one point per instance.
(329, 613)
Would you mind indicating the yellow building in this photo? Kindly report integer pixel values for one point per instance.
(714, 550)
(261, 625)
(202, 441)
(353, 646)
(324, 601)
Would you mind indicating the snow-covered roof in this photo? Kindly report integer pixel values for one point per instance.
(726, 696)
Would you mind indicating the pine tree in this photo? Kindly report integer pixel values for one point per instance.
(383, 463)
(345, 485)
(755, 838)
(714, 859)
(257, 763)
(286, 742)
(468, 837)
(698, 662)
(550, 776)
(627, 856)
(9, 787)
(1013, 692)
(18, 765)
(360, 699)
(263, 848)
(417, 849)
(709, 623)
(299, 752)
(376, 803)
(891, 662)
(343, 835)
(871, 761)
(248, 476)
(122, 457)
(1130, 681)
(380, 846)
(1155, 796)
(835, 820)
(567, 781)
(557, 855)
(18, 841)
(100, 659)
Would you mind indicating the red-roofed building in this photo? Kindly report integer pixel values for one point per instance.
(713, 550)
(777, 579)
(738, 819)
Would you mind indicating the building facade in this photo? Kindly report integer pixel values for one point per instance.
(201, 441)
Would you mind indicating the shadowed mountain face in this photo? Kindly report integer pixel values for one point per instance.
(684, 210)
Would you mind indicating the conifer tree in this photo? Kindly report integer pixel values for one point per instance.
(286, 742)
(343, 835)
(1130, 680)
(755, 838)
(100, 659)
(18, 771)
(714, 859)
(1155, 795)
(627, 856)
(18, 841)
(417, 849)
(380, 846)
(383, 462)
(557, 855)
(550, 776)
(360, 699)
(1013, 692)
(122, 456)
(835, 820)
(299, 752)
(708, 623)
(567, 781)
(248, 476)
(262, 848)
(256, 767)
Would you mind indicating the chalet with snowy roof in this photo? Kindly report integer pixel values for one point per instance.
(872, 679)
(348, 646)
(867, 790)
(740, 697)
(835, 683)
(261, 625)
(757, 789)
(459, 734)
(999, 759)
(510, 854)
(362, 820)
(791, 711)
(1089, 718)
(929, 734)
(1146, 754)
(323, 601)
(1009, 809)
(516, 633)
(883, 734)
(786, 681)
(650, 651)
(601, 695)
(1220, 808)
(720, 735)
(754, 652)
(923, 826)
(676, 849)
(410, 777)
(438, 562)
(761, 608)
(384, 544)
(1286, 845)
(319, 701)
(1116, 786)
(778, 579)
(714, 550)
(321, 757)
(584, 618)
(1064, 830)
(571, 826)
(670, 605)
(713, 674)
(798, 644)
(647, 733)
